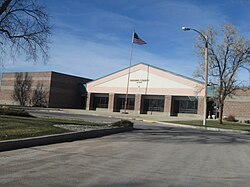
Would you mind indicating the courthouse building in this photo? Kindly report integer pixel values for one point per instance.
(150, 90)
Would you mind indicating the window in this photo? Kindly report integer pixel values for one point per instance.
(101, 102)
(187, 106)
(156, 105)
(130, 103)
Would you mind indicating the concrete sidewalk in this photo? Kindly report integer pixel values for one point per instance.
(130, 116)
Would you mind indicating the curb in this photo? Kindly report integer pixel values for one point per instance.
(94, 114)
(205, 128)
(59, 138)
(112, 116)
(194, 127)
(148, 121)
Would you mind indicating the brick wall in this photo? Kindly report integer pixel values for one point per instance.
(111, 102)
(137, 103)
(167, 104)
(200, 108)
(88, 99)
(8, 81)
(66, 91)
(237, 109)
(238, 105)
(63, 90)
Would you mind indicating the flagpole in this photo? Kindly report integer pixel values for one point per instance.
(146, 90)
(130, 63)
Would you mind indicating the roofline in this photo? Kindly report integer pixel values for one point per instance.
(46, 72)
(26, 72)
(70, 75)
(176, 74)
(111, 74)
(179, 75)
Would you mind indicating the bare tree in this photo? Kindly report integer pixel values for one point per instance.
(24, 29)
(40, 96)
(22, 88)
(226, 59)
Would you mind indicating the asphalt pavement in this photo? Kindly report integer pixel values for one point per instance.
(151, 155)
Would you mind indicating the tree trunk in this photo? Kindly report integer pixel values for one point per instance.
(22, 101)
(221, 108)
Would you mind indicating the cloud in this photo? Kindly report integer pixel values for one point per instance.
(93, 38)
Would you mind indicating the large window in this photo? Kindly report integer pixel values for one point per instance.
(130, 103)
(101, 102)
(152, 103)
(155, 105)
(119, 102)
(187, 106)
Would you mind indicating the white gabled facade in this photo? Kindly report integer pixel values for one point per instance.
(146, 84)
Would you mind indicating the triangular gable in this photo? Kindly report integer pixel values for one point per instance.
(142, 78)
(145, 79)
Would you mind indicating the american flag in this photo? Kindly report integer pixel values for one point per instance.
(137, 40)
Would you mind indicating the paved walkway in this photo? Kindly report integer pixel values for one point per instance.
(149, 117)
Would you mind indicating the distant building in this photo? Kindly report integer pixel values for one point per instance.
(64, 91)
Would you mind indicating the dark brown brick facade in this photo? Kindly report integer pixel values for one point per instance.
(67, 91)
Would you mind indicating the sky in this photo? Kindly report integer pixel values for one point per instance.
(92, 38)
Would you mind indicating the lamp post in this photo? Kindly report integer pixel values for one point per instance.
(205, 37)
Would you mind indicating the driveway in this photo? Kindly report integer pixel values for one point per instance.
(151, 155)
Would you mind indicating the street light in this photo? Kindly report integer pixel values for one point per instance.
(205, 37)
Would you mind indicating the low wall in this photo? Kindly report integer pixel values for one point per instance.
(157, 113)
(59, 138)
(196, 116)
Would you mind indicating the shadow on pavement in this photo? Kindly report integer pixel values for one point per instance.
(183, 135)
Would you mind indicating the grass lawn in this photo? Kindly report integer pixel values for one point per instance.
(215, 124)
(13, 127)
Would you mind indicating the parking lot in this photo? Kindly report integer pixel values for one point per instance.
(151, 155)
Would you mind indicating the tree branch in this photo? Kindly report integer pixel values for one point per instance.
(4, 6)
